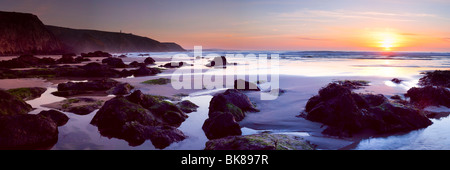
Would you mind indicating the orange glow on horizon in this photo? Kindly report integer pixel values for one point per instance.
(387, 40)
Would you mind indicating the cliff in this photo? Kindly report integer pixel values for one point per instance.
(24, 33)
(81, 40)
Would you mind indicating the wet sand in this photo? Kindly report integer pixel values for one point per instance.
(275, 116)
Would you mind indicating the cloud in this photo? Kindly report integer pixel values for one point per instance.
(327, 15)
(312, 39)
(409, 34)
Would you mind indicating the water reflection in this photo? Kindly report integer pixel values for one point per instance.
(434, 137)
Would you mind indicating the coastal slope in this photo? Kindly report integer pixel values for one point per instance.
(24, 33)
(82, 40)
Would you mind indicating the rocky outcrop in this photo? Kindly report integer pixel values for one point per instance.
(145, 71)
(71, 88)
(27, 93)
(12, 105)
(82, 40)
(27, 131)
(79, 105)
(264, 141)
(187, 106)
(138, 117)
(436, 78)
(245, 85)
(429, 96)
(347, 113)
(59, 118)
(225, 109)
(25, 34)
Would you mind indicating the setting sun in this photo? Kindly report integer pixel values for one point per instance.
(387, 40)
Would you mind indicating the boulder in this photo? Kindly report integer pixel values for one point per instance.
(145, 71)
(137, 64)
(175, 64)
(149, 60)
(122, 56)
(121, 89)
(139, 117)
(27, 131)
(219, 62)
(119, 115)
(12, 105)
(225, 102)
(222, 124)
(71, 88)
(67, 59)
(245, 85)
(28, 93)
(79, 105)
(25, 61)
(347, 113)
(59, 118)
(396, 80)
(114, 62)
(96, 54)
(187, 106)
(225, 109)
(436, 78)
(264, 141)
(352, 84)
(429, 96)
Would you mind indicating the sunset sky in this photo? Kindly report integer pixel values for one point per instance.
(362, 25)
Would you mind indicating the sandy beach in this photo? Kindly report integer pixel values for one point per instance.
(299, 80)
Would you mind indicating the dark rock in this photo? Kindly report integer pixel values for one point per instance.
(218, 62)
(139, 117)
(96, 70)
(122, 56)
(126, 73)
(396, 80)
(429, 96)
(96, 54)
(149, 60)
(145, 71)
(12, 105)
(221, 125)
(59, 118)
(187, 106)
(352, 84)
(121, 89)
(137, 64)
(71, 88)
(163, 136)
(232, 101)
(80, 59)
(176, 64)
(436, 78)
(262, 141)
(224, 110)
(118, 113)
(79, 105)
(67, 59)
(245, 85)
(28, 93)
(348, 113)
(27, 131)
(114, 62)
(396, 97)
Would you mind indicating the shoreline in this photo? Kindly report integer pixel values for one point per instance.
(278, 116)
